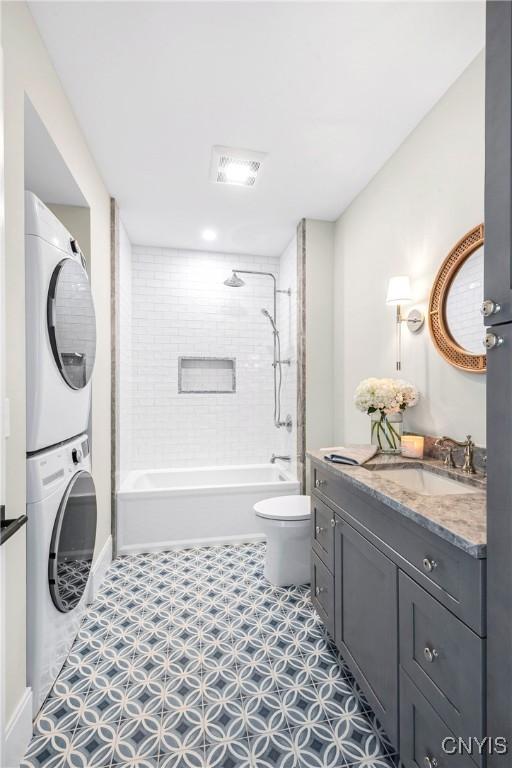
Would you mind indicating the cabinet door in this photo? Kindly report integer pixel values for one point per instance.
(499, 537)
(498, 160)
(366, 615)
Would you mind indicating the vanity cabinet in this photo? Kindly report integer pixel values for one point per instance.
(406, 610)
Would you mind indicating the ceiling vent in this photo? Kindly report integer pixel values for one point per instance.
(235, 166)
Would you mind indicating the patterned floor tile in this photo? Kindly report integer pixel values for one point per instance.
(264, 714)
(274, 750)
(191, 659)
(316, 746)
(303, 706)
(224, 721)
(229, 754)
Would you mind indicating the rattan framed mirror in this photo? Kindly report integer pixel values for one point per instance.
(455, 322)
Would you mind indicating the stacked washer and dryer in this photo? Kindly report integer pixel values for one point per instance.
(61, 500)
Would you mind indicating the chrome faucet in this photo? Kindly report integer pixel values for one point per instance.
(449, 444)
(274, 458)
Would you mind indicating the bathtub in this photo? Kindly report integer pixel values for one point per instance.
(164, 509)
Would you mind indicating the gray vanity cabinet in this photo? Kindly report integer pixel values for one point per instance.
(366, 604)
(406, 610)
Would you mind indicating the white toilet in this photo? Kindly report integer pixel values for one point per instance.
(286, 521)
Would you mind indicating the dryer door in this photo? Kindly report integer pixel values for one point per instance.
(72, 323)
(72, 545)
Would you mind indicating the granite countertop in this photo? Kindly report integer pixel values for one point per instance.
(459, 519)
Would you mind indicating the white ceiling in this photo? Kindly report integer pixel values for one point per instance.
(328, 90)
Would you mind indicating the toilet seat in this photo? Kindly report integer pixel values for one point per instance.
(284, 508)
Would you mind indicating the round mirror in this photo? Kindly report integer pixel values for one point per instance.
(464, 299)
(72, 323)
(455, 320)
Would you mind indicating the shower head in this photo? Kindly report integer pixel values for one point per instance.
(267, 314)
(234, 281)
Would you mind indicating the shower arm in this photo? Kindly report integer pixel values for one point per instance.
(264, 274)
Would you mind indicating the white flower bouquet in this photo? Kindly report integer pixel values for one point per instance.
(385, 401)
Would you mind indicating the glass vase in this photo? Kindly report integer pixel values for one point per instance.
(386, 431)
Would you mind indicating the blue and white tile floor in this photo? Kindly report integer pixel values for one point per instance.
(190, 659)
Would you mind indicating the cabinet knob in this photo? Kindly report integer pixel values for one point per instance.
(492, 340)
(320, 483)
(490, 307)
(319, 529)
(430, 654)
(333, 522)
(429, 565)
(319, 590)
(430, 762)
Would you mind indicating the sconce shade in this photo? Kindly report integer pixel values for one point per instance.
(399, 290)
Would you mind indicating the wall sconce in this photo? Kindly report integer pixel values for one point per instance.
(399, 292)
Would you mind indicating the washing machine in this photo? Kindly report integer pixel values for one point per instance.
(61, 533)
(60, 330)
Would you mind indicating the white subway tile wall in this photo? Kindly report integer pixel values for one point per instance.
(180, 307)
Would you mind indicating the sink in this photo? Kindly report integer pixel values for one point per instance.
(424, 482)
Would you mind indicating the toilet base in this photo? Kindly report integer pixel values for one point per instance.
(288, 555)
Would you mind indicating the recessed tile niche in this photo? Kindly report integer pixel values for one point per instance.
(206, 375)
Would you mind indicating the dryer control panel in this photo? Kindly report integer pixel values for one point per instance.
(48, 470)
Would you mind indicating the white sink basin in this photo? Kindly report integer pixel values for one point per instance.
(424, 482)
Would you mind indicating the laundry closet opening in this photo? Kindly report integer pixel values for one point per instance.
(60, 353)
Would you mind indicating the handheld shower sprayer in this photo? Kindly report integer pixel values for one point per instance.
(266, 313)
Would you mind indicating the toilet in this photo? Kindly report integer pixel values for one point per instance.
(286, 524)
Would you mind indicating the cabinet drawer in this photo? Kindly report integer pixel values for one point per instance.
(443, 657)
(322, 592)
(323, 520)
(327, 485)
(422, 732)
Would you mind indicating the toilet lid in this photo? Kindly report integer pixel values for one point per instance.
(284, 508)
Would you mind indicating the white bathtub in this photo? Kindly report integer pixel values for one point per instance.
(171, 508)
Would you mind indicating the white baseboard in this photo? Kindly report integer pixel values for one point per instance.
(166, 546)
(99, 569)
(19, 731)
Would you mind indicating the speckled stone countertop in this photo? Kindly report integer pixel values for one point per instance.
(459, 519)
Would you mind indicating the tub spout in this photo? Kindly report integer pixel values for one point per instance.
(274, 458)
